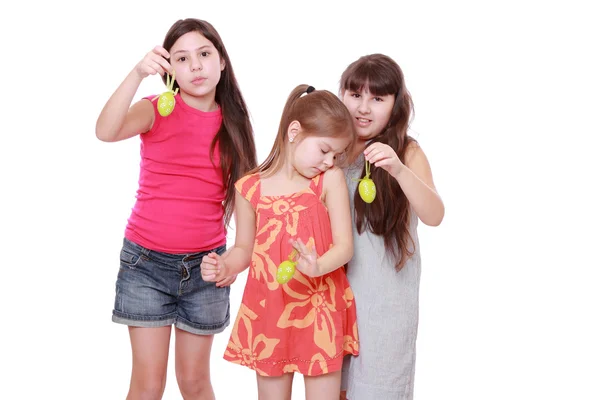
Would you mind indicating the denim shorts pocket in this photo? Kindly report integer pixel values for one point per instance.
(129, 258)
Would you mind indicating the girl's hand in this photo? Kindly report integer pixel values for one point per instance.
(213, 268)
(230, 279)
(226, 281)
(383, 156)
(154, 63)
(307, 259)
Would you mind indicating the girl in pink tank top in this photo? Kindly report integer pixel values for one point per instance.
(191, 156)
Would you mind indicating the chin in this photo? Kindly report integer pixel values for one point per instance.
(365, 135)
(309, 174)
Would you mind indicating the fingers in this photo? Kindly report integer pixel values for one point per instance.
(226, 281)
(155, 62)
(210, 267)
(299, 246)
(161, 51)
(383, 162)
(307, 260)
(375, 154)
(382, 155)
(160, 58)
(302, 249)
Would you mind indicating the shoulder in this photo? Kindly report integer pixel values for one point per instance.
(333, 178)
(246, 183)
(414, 154)
(333, 174)
(141, 116)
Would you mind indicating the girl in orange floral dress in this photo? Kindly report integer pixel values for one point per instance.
(295, 200)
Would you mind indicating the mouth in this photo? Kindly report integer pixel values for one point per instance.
(198, 81)
(362, 121)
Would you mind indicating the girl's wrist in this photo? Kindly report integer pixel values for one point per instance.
(401, 171)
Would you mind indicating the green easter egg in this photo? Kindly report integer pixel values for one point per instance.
(166, 103)
(285, 271)
(367, 190)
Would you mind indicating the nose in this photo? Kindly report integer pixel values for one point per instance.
(328, 161)
(196, 64)
(363, 107)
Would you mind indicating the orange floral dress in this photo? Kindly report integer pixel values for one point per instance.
(308, 324)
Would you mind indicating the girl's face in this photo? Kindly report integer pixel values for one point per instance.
(371, 113)
(312, 155)
(197, 65)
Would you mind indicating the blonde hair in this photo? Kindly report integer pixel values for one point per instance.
(319, 112)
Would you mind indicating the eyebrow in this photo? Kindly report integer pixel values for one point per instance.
(206, 46)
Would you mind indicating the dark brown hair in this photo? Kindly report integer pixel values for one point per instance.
(320, 113)
(235, 136)
(389, 214)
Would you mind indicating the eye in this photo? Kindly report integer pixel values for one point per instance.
(323, 151)
(181, 59)
(378, 99)
(355, 95)
(204, 54)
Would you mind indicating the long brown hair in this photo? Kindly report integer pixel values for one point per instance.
(235, 137)
(320, 113)
(389, 214)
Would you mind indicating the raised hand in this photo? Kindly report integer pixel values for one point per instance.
(154, 63)
(383, 156)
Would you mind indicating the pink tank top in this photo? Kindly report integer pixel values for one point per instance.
(179, 203)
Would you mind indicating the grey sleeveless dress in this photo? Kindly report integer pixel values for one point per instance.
(387, 305)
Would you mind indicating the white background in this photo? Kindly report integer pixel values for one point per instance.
(507, 103)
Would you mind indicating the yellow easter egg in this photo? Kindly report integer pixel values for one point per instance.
(285, 271)
(166, 103)
(366, 190)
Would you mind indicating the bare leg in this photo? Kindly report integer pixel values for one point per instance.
(275, 387)
(192, 365)
(150, 353)
(323, 387)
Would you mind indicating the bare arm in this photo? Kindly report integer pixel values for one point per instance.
(117, 121)
(337, 201)
(415, 179)
(215, 267)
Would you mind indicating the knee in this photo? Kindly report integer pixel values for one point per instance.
(194, 386)
(147, 391)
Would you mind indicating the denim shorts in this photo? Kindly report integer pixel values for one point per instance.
(159, 289)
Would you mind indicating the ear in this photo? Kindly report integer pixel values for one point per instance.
(222, 64)
(293, 130)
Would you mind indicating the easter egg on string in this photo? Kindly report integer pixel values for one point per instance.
(166, 101)
(367, 190)
(366, 187)
(287, 269)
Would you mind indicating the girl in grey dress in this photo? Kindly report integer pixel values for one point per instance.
(385, 271)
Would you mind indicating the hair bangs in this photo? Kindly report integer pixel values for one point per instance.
(370, 76)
